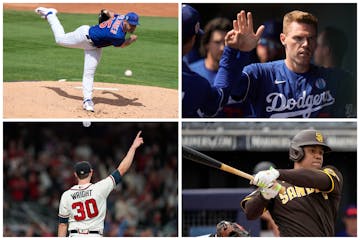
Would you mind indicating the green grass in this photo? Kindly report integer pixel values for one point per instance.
(30, 52)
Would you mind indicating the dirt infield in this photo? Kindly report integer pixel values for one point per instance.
(64, 99)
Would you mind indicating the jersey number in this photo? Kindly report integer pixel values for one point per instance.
(106, 23)
(87, 208)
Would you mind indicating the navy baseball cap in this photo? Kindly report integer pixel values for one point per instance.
(82, 168)
(190, 21)
(132, 18)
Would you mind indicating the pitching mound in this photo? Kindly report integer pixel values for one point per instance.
(64, 100)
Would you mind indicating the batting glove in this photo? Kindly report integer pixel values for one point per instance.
(265, 178)
(271, 192)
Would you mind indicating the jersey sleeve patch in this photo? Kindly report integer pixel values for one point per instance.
(116, 177)
(331, 174)
(247, 198)
(242, 203)
(63, 219)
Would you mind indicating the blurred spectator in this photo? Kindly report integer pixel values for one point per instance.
(211, 48)
(350, 222)
(269, 47)
(262, 166)
(331, 47)
(17, 187)
(33, 186)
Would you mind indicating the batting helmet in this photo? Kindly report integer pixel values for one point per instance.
(306, 138)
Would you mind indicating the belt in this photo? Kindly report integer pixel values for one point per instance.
(85, 232)
(90, 41)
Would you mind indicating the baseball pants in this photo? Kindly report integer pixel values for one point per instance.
(78, 39)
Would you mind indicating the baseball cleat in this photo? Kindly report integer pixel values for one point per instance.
(44, 12)
(88, 105)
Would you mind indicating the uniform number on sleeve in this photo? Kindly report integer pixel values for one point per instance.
(85, 209)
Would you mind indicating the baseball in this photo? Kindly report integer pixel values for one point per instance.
(86, 124)
(128, 73)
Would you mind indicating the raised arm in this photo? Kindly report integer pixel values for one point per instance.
(323, 179)
(326, 179)
(128, 159)
(243, 39)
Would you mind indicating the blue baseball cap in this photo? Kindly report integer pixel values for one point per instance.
(190, 21)
(132, 18)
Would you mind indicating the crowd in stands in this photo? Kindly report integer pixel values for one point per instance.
(38, 167)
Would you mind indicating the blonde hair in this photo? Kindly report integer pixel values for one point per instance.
(300, 17)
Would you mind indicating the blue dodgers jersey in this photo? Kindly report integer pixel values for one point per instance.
(277, 92)
(109, 32)
(198, 97)
(199, 68)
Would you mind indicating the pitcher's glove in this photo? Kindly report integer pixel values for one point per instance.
(230, 229)
(104, 15)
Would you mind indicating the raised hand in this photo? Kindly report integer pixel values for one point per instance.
(242, 37)
(133, 37)
(270, 191)
(138, 141)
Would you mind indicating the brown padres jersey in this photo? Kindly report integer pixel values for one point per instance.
(303, 211)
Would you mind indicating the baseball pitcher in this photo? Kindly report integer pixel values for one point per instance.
(111, 30)
(82, 208)
(310, 204)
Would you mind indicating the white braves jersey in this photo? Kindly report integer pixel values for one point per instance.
(85, 205)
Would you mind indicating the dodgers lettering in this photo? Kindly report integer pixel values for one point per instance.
(306, 104)
(274, 91)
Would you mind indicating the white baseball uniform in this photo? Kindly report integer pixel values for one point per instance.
(83, 207)
(78, 39)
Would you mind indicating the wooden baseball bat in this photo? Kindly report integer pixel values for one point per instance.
(201, 158)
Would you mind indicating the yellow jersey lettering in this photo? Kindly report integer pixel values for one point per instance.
(284, 198)
(291, 192)
(300, 191)
(309, 190)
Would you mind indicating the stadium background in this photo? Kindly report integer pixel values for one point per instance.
(210, 195)
(38, 167)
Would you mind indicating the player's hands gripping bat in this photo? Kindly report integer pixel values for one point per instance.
(199, 157)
